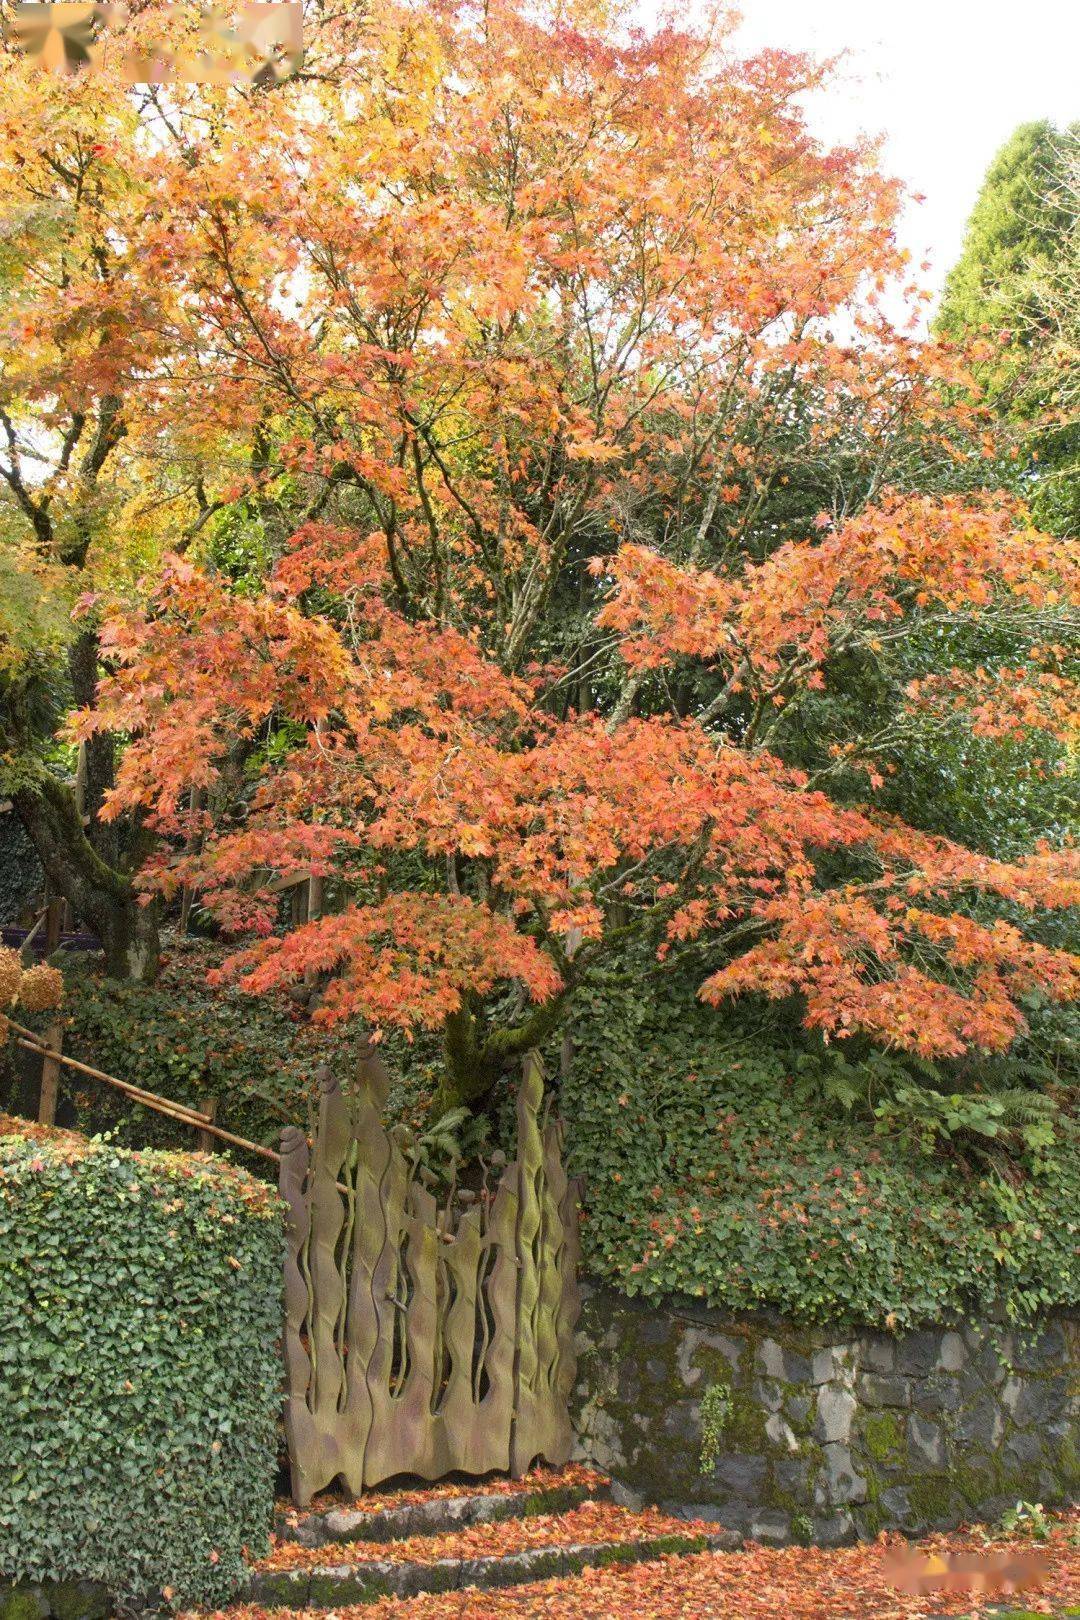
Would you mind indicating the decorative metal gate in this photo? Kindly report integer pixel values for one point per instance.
(422, 1339)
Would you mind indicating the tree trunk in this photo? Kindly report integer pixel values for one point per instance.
(476, 1058)
(81, 853)
(96, 891)
(98, 749)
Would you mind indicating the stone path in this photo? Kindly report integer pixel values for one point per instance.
(557, 1546)
(331, 1558)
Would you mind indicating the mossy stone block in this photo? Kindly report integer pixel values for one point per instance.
(78, 1600)
(23, 1603)
(882, 1434)
(936, 1500)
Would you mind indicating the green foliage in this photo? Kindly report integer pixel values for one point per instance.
(453, 1140)
(236, 544)
(715, 1411)
(802, 1529)
(1016, 226)
(1027, 1519)
(21, 876)
(140, 1313)
(931, 1115)
(720, 1164)
(1015, 284)
(35, 605)
(923, 1104)
(1000, 795)
(183, 1039)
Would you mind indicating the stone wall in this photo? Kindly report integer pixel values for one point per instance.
(827, 1437)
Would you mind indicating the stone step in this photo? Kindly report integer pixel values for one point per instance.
(437, 1515)
(332, 1586)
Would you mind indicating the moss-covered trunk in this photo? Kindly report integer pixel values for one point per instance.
(97, 892)
(476, 1056)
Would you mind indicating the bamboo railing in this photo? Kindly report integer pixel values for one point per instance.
(49, 1049)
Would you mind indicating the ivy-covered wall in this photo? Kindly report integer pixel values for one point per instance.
(725, 1164)
(790, 1434)
(21, 877)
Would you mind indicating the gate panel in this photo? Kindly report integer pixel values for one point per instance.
(421, 1340)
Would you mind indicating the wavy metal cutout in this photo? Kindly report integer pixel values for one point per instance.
(422, 1340)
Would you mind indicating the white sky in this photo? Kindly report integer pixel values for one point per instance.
(947, 81)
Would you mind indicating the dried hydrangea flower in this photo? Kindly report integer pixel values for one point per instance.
(42, 988)
(10, 976)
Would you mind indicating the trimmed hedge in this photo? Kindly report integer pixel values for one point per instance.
(140, 1317)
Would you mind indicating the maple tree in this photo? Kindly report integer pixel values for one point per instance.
(97, 461)
(63, 348)
(403, 737)
(79, 347)
(529, 346)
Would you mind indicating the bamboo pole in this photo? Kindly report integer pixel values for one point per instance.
(165, 1104)
(29, 1040)
(149, 1099)
(160, 1105)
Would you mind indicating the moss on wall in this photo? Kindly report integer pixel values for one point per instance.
(883, 1434)
(848, 1434)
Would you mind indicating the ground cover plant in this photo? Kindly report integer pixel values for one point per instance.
(184, 1040)
(749, 1169)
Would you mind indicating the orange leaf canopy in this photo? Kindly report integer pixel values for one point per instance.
(407, 741)
(499, 288)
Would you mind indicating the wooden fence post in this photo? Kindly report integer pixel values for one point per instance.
(314, 910)
(314, 897)
(209, 1107)
(52, 925)
(187, 893)
(50, 1074)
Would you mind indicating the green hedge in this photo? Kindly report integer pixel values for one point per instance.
(140, 1315)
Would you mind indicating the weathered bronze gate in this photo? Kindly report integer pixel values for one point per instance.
(418, 1341)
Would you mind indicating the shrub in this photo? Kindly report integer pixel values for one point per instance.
(184, 1039)
(140, 1318)
(711, 1171)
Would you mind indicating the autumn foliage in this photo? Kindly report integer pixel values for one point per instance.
(406, 738)
(490, 313)
(757, 1583)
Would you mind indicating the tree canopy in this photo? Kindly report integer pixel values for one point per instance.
(519, 508)
(1021, 217)
(1008, 300)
